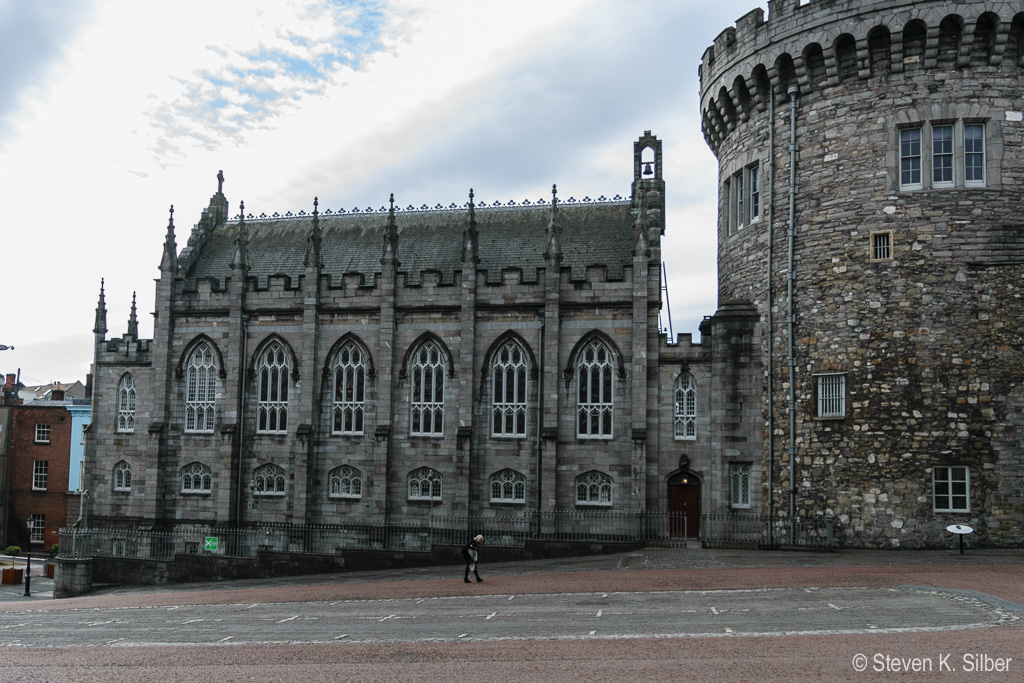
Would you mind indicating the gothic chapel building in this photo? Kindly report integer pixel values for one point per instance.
(382, 366)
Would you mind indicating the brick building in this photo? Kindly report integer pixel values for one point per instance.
(870, 173)
(495, 360)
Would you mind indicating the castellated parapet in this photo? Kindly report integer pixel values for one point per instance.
(870, 175)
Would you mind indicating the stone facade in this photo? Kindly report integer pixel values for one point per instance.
(870, 166)
(571, 290)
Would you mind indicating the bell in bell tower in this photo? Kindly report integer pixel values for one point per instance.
(647, 175)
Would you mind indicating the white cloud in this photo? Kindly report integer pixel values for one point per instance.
(140, 104)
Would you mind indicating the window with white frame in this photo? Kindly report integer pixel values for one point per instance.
(942, 156)
(427, 408)
(36, 524)
(754, 177)
(594, 407)
(739, 489)
(122, 476)
(910, 159)
(268, 480)
(974, 154)
(508, 395)
(196, 478)
(40, 474)
(346, 482)
(594, 488)
(42, 433)
(743, 197)
(508, 486)
(126, 404)
(686, 406)
(831, 395)
(951, 488)
(272, 401)
(200, 390)
(425, 484)
(349, 389)
(881, 246)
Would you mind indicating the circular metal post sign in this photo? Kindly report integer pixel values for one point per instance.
(959, 529)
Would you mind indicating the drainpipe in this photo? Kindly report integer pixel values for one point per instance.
(794, 98)
(540, 420)
(241, 420)
(769, 299)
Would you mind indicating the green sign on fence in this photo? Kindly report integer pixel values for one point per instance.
(211, 543)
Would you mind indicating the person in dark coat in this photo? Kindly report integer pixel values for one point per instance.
(470, 553)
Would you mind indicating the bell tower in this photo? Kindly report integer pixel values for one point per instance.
(647, 175)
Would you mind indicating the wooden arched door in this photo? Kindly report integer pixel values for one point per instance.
(684, 505)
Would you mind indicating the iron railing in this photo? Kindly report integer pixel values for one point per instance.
(423, 535)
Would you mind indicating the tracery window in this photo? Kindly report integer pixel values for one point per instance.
(425, 484)
(686, 407)
(594, 488)
(349, 390)
(346, 482)
(508, 407)
(508, 486)
(200, 390)
(196, 478)
(268, 480)
(594, 407)
(427, 408)
(126, 404)
(272, 406)
(122, 476)
(739, 474)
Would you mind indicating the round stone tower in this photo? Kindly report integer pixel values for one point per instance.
(871, 169)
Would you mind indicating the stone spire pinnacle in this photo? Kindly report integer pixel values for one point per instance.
(169, 259)
(313, 242)
(470, 241)
(100, 328)
(554, 248)
(241, 241)
(390, 253)
(133, 321)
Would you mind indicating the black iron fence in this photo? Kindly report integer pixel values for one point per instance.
(511, 531)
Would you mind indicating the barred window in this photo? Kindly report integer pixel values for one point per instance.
(349, 390)
(272, 406)
(910, 159)
(40, 474)
(346, 482)
(594, 488)
(200, 390)
(881, 246)
(126, 404)
(122, 476)
(951, 488)
(508, 486)
(427, 409)
(508, 406)
(686, 407)
(196, 478)
(425, 484)
(831, 395)
(268, 480)
(739, 475)
(42, 433)
(594, 408)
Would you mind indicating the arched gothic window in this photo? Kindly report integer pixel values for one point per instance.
(594, 408)
(200, 390)
(268, 480)
(349, 390)
(594, 488)
(508, 406)
(425, 484)
(122, 476)
(126, 404)
(272, 406)
(508, 486)
(427, 403)
(346, 482)
(686, 407)
(196, 478)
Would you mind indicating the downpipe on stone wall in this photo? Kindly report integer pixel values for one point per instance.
(241, 420)
(540, 422)
(769, 299)
(794, 99)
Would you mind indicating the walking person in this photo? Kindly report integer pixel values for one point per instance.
(470, 553)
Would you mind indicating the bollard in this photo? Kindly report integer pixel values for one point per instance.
(28, 574)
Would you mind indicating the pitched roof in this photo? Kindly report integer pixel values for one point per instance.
(593, 233)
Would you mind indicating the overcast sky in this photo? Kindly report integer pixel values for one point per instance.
(112, 110)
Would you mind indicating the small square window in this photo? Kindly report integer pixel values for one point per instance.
(951, 489)
(42, 433)
(881, 246)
